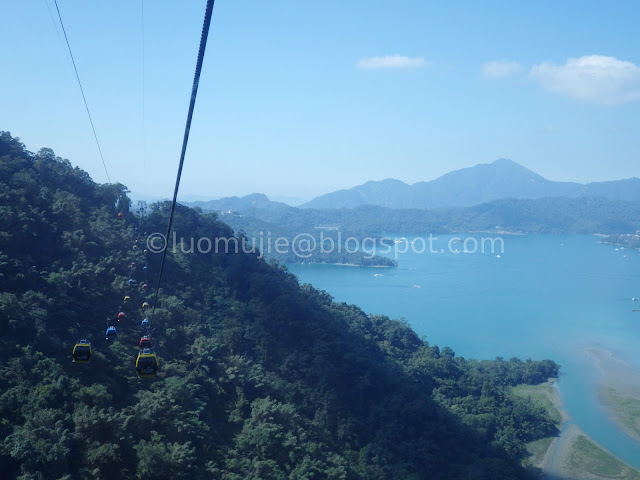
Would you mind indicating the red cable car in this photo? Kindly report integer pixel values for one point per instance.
(145, 342)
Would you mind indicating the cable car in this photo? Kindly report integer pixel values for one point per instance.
(111, 332)
(145, 342)
(145, 305)
(144, 269)
(126, 299)
(146, 364)
(131, 281)
(81, 352)
(144, 286)
(121, 316)
(145, 323)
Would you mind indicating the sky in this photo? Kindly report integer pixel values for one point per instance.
(299, 98)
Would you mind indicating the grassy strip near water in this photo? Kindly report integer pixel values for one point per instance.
(537, 450)
(585, 456)
(625, 410)
(543, 395)
(584, 459)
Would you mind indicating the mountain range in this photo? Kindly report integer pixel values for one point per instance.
(482, 183)
(483, 197)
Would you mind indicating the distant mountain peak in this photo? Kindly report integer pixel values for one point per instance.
(388, 181)
(237, 204)
(501, 179)
(510, 164)
(256, 198)
(505, 161)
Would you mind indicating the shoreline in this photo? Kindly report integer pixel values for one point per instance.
(617, 406)
(573, 455)
(499, 232)
(345, 264)
(618, 390)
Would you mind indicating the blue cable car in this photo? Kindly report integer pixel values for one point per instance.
(111, 332)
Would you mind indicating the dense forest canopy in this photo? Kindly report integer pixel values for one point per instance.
(260, 377)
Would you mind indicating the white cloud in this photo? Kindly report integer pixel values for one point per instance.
(500, 68)
(595, 78)
(392, 61)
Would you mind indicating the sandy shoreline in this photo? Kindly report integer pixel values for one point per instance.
(619, 389)
(349, 265)
(615, 372)
(562, 459)
(568, 455)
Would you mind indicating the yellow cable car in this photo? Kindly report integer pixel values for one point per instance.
(146, 364)
(81, 352)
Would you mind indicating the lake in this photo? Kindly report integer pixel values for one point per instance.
(543, 296)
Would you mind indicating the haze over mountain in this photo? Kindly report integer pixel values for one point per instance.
(482, 183)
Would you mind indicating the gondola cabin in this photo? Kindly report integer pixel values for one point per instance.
(145, 342)
(111, 332)
(81, 352)
(145, 323)
(146, 364)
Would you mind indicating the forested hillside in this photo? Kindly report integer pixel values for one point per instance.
(260, 377)
(546, 215)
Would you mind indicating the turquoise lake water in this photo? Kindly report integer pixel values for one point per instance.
(545, 296)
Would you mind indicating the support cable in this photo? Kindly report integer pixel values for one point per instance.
(84, 98)
(185, 140)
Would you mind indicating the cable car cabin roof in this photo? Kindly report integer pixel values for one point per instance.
(81, 352)
(147, 364)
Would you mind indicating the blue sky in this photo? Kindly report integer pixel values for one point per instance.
(298, 98)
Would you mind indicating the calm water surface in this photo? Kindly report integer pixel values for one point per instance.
(545, 296)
